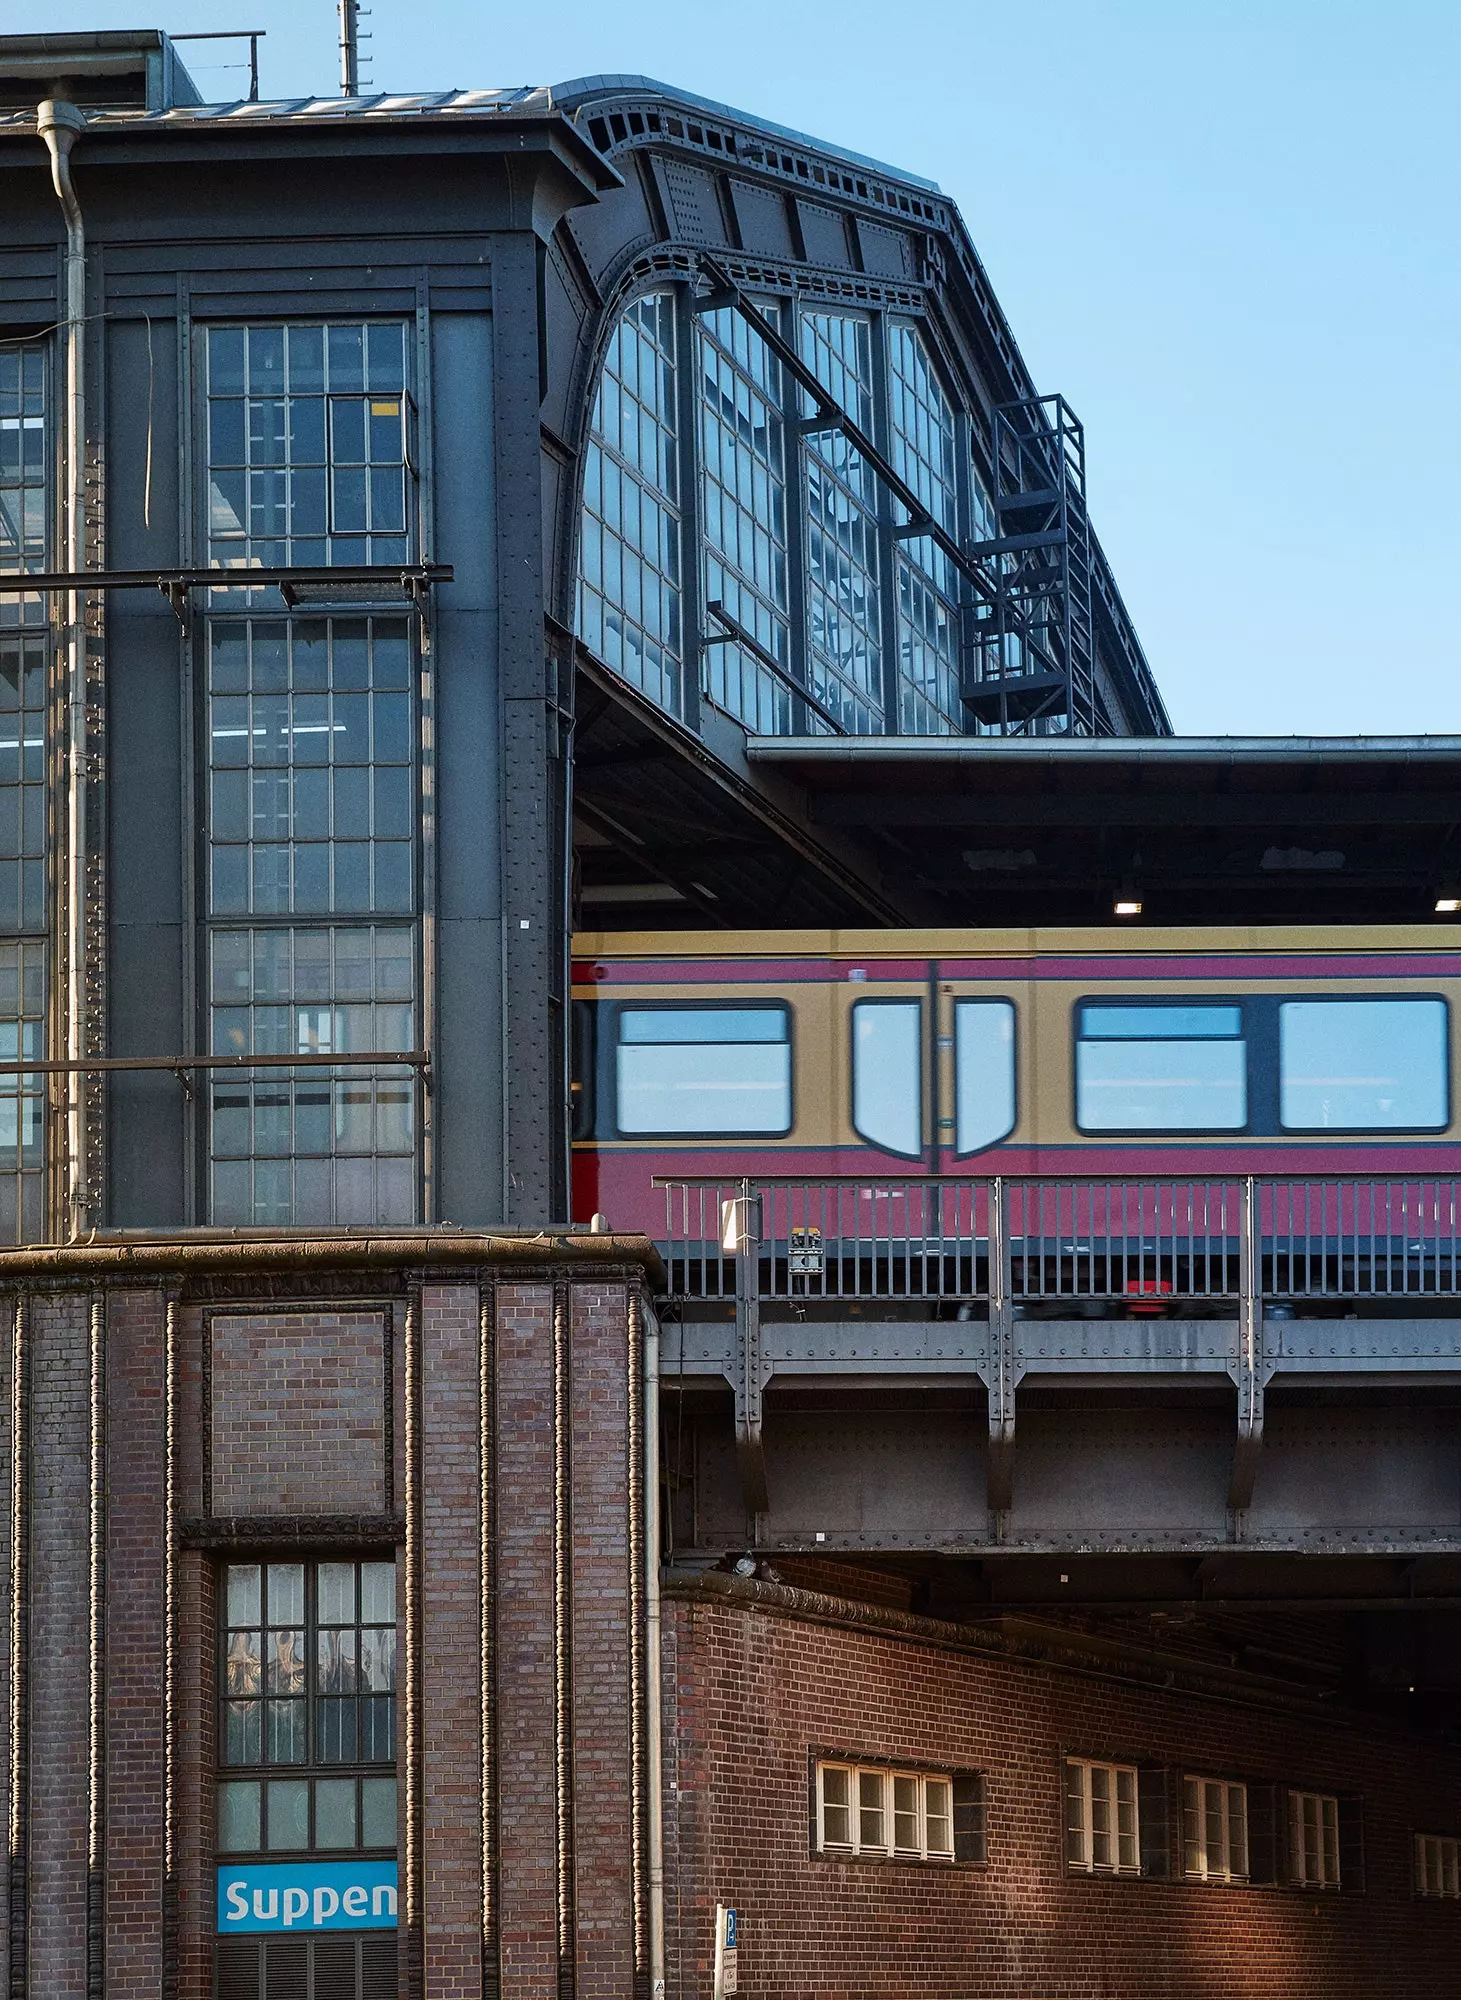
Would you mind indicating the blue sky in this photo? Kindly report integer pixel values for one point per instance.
(1227, 232)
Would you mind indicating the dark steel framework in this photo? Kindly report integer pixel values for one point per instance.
(1046, 645)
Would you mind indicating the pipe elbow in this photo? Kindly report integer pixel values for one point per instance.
(60, 124)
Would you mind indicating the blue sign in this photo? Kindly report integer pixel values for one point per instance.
(730, 1930)
(307, 1896)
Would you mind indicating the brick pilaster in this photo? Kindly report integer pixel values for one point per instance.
(524, 1663)
(604, 1625)
(451, 1623)
(58, 1651)
(136, 1641)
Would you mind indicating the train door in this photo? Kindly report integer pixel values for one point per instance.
(890, 1029)
(976, 1099)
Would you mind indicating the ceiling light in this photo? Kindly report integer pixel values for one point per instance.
(1447, 906)
(1128, 906)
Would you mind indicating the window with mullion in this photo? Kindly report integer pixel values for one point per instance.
(308, 1691)
(743, 505)
(309, 442)
(25, 484)
(843, 570)
(1214, 1830)
(322, 1143)
(26, 444)
(311, 736)
(924, 439)
(629, 603)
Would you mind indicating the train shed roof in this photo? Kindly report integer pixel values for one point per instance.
(1208, 829)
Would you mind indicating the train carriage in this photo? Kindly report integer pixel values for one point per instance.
(1134, 1061)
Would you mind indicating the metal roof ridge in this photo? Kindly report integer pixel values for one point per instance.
(585, 85)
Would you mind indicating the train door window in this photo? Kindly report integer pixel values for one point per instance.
(1160, 1067)
(709, 1071)
(1369, 1065)
(887, 1074)
(984, 1073)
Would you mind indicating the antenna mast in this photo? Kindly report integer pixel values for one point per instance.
(349, 11)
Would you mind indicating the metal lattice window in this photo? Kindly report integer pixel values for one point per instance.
(743, 502)
(311, 743)
(1438, 1865)
(924, 441)
(22, 1097)
(308, 1693)
(844, 644)
(629, 578)
(23, 657)
(1101, 1818)
(1314, 1839)
(316, 1145)
(24, 475)
(310, 438)
(1214, 1830)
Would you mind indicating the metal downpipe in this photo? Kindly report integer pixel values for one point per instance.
(654, 1692)
(60, 124)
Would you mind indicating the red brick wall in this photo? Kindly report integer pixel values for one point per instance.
(298, 1413)
(523, 1667)
(136, 1500)
(60, 1413)
(754, 1691)
(603, 1630)
(451, 1628)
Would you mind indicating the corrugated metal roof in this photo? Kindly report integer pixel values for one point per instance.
(522, 99)
(526, 100)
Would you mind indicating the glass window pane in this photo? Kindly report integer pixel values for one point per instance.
(377, 1812)
(239, 1823)
(938, 1816)
(1161, 1086)
(336, 1589)
(887, 1074)
(286, 1593)
(243, 1741)
(984, 1073)
(711, 1088)
(244, 1601)
(1363, 1065)
(335, 1812)
(870, 1809)
(836, 1806)
(288, 1813)
(703, 1024)
(1192, 1020)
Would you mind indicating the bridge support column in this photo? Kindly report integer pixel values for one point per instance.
(749, 1380)
(1001, 1377)
(1251, 1374)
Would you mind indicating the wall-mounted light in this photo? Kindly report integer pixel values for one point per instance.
(1447, 906)
(1127, 905)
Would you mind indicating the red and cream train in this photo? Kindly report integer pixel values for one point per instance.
(1132, 1053)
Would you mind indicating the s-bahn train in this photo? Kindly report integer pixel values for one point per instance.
(1127, 1053)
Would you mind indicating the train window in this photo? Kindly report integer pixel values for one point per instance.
(1179, 1067)
(1363, 1065)
(984, 1073)
(887, 1074)
(711, 1071)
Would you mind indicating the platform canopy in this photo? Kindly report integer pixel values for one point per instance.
(1020, 831)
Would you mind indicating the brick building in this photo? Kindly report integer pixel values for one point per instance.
(575, 442)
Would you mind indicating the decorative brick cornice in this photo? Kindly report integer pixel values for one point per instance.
(230, 1531)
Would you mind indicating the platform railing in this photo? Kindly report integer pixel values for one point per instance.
(1077, 1237)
